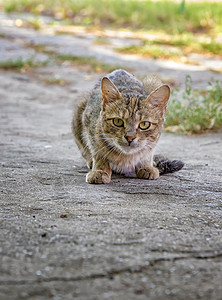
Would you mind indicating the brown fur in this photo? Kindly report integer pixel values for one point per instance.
(107, 147)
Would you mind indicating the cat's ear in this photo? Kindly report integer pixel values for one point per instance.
(109, 91)
(159, 97)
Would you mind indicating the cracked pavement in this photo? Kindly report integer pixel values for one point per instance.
(131, 239)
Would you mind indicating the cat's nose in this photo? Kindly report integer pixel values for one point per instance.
(129, 139)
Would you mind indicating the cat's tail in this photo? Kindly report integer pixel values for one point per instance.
(164, 165)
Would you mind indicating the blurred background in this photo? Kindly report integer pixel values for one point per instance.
(180, 40)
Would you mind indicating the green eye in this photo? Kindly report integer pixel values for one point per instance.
(118, 122)
(144, 125)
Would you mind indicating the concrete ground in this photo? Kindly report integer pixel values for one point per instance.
(131, 239)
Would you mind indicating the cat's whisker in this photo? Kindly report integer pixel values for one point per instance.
(107, 153)
(98, 150)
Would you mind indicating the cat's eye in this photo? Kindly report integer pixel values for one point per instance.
(118, 122)
(144, 125)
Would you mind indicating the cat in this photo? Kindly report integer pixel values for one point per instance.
(118, 126)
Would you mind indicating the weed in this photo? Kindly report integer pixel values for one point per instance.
(93, 63)
(56, 81)
(19, 63)
(199, 111)
(37, 47)
(101, 41)
(90, 62)
(150, 50)
(35, 23)
(174, 46)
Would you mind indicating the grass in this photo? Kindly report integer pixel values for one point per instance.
(101, 41)
(149, 49)
(200, 111)
(56, 81)
(168, 16)
(174, 46)
(19, 64)
(91, 62)
(186, 27)
(34, 23)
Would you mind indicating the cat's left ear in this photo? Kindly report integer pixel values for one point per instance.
(159, 97)
(109, 91)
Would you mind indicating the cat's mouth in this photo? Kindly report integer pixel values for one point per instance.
(125, 147)
(130, 148)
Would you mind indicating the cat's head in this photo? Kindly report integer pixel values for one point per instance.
(132, 121)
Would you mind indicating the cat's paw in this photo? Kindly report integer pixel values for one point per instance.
(147, 173)
(98, 176)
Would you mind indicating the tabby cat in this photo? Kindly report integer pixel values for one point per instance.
(118, 125)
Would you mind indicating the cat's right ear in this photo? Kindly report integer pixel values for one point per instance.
(109, 91)
(159, 97)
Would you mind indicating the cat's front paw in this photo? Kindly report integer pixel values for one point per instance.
(98, 176)
(147, 173)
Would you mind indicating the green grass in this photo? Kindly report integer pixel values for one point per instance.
(200, 110)
(189, 43)
(19, 63)
(101, 41)
(34, 23)
(149, 49)
(90, 62)
(56, 81)
(174, 46)
(168, 16)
